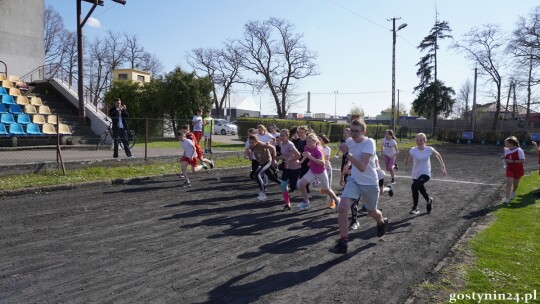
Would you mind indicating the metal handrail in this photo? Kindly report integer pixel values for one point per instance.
(58, 72)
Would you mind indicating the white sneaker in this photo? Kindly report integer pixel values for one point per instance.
(303, 206)
(354, 225)
(261, 197)
(513, 195)
(414, 211)
(506, 200)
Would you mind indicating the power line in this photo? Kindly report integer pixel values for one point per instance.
(350, 93)
(355, 13)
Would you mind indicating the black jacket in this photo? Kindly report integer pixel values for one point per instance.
(113, 114)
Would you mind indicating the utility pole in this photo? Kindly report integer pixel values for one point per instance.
(393, 116)
(80, 61)
(473, 116)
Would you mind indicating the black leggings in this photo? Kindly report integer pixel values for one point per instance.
(418, 186)
(265, 169)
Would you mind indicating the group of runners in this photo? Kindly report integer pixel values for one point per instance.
(303, 158)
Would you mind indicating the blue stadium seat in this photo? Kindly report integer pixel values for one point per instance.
(3, 108)
(23, 119)
(15, 109)
(8, 99)
(3, 91)
(7, 118)
(33, 129)
(3, 131)
(16, 129)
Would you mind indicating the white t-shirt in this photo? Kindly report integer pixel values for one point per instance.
(389, 147)
(421, 161)
(197, 123)
(266, 138)
(369, 176)
(189, 148)
(327, 151)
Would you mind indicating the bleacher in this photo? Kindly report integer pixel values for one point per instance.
(25, 115)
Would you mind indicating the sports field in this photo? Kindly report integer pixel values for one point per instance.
(155, 242)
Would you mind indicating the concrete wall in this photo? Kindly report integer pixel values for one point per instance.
(21, 35)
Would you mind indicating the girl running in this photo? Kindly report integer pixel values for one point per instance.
(316, 170)
(327, 151)
(421, 171)
(390, 150)
(514, 157)
(291, 169)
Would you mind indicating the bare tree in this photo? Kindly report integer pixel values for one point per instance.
(222, 67)
(152, 64)
(53, 31)
(277, 57)
(134, 51)
(98, 71)
(69, 55)
(461, 107)
(484, 47)
(525, 46)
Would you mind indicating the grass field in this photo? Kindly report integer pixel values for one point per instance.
(508, 252)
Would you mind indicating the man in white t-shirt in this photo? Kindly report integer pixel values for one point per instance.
(363, 182)
(197, 126)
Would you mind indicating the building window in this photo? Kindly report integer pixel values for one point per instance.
(122, 76)
(140, 78)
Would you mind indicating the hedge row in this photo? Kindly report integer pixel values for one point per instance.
(334, 131)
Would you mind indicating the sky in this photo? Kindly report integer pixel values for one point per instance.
(352, 38)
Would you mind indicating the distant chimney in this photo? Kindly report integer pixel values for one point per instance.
(308, 101)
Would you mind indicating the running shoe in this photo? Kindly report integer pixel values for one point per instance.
(211, 164)
(287, 208)
(513, 195)
(396, 166)
(414, 211)
(381, 228)
(332, 205)
(303, 206)
(393, 181)
(340, 248)
(186, 184)
(429, 205)
(390, 191)
(261, 197)
(506, 201)
(354, 225)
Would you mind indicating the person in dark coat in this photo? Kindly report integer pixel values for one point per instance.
(118, 115)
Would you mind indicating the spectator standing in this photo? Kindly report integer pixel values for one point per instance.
(118, 115)
(197, 126)
(208, 129)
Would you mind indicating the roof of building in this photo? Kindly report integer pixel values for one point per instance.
(241, 103)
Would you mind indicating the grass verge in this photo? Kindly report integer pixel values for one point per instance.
(104, 173)
(498, 258)
(508, 252)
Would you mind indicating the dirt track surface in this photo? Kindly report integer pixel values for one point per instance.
(154, 242)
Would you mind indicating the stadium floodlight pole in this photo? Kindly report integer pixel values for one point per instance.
(393, 116)
(335, 104)
(80, 24)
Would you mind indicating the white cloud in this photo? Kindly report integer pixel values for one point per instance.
(93, 22)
